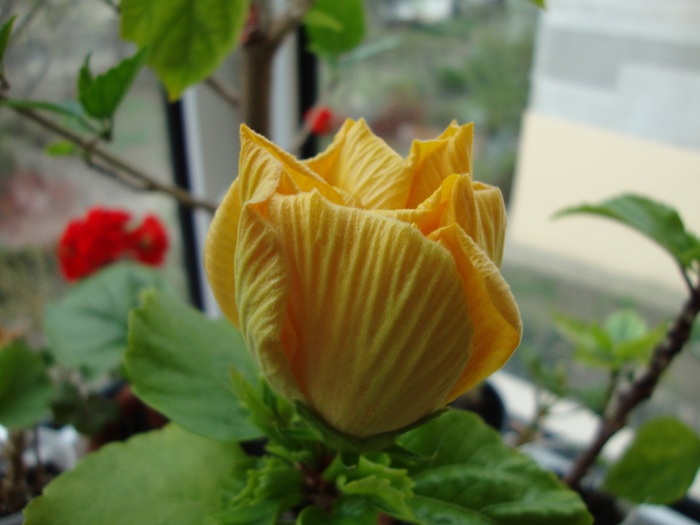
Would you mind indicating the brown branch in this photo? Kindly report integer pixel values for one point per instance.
(148, 182)
(627, 398)
(227, 95)
(289, 21)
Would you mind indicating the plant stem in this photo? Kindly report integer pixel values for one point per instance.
(227, 95)
(627, 398)
(14, 487)
(146, 181)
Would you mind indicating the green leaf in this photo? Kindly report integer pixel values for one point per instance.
(592, 344)
(64, 110)
(388, 489)
(316, 18)
(186, 39)
(346, 510)
(25, 387)
(473, 478)
(659, 465)
(539, 3)
(101, 95)
(640, 349)
(61, 148)
(656, 221)
(331, 41)
(624, 325)
(5, 32)
(88, 328)
(159, 478)
(178, 362)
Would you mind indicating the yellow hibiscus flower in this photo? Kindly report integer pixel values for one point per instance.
(366, 285)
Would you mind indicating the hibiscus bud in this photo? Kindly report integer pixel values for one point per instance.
(365, 285)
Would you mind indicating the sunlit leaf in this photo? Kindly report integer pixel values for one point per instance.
(5, 32)
(186, 39)
(660, 464)
(61, 148)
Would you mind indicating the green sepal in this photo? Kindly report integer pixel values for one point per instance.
(273, 486)
(341, 442)
(372, 477)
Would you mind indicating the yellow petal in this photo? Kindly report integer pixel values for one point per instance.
(262, 290)
(380, 317)
(492, 220)
(360, 163)
(492, 308)
(431, 162)
(264, 169)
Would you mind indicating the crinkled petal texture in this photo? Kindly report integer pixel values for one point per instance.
(372, 313)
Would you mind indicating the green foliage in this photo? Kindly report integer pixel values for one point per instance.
(101, 95)
(271, 488)
(552, 378)
(186, 40)
(346, 510)
(88, 328)
(25, 387)
(470, 477)
(60, 148)
(654, 220)
(178, 362)
(329, 40)
(5, 32)
(160, 478)
(539, 3)
(88, 413)
(385, 488)
(660, 464)
(623, 339)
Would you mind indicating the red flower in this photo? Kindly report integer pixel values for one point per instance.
(150, 241)
(105, 236)
(319, 119)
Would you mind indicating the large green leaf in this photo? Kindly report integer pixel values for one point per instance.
(178, 362)
(25, 387)
(470, 477)
(186, 39)
(331, 40)
(101, 95)
(652, 219)
(659, 465)
(88, 328)
(346, 510)
(164, 477)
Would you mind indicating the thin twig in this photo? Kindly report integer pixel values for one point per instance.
(626, 399)
(91, 150)
(227, 95)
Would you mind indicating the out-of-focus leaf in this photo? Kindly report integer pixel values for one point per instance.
(539, 3)
(5, 32)
(346, 510)
(656, 221)
(178, 362)
(88, 328)
(640, 349)
(25, 387)
(330, 42)
(61, 148)
(592, 344)
(163, 477)
(316, 18)
(470, 476)
(624, 325)
(186, 39)
(101, 95)
(66, 110)
(660, 464)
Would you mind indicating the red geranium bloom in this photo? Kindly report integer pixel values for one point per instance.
(150, 241)
(319, 119)
(105, 236)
